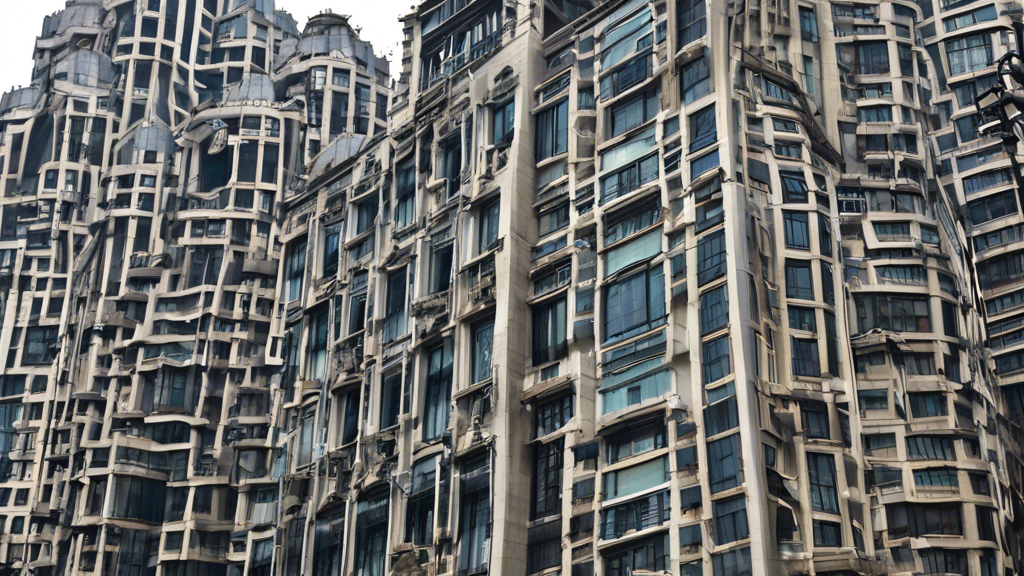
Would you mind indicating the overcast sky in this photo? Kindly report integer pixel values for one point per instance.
(22, 20)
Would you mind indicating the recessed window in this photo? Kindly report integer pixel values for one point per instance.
(696, 81)
(552, 137)
(821, 474)
(549, 331)
(703, 130)
(483, 345)
(730, 520)
(504, 122)
(635, 304)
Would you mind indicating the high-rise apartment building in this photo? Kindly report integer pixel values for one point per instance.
(701, 288)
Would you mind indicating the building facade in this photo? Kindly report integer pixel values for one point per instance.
(716, 288)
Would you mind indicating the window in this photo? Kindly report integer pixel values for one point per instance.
(873, 399)
(788, 150)
(488, 232)
(650, 554)
(715, 359)
(475, 516)
(645, 512)
(824, 235)
(806, 361)
(967, 128)
(920, 364)
(437, 403)
(928, 405)
(992, 207)
(553, 220)
(366, 213)
(930, 448)
(798, 234)
(827, 534)
(732, 563)
(635, 304)
(634, 479)
(714, 310)
(552, 415)
(547, 475)
(794, 187)
(802, 319)
(331, 237)
(704, 164)
(142, 499)
(936, 477)
(634, 443)
(873, 58)
(941, 561)
(730, 520)
(552, 130)
(890, 312)
(821, 474)
(391, 400)
(987, 180)
(967, 91)
(504, 122)
(815, 417)
(441, 268)
(917, 520)
(419, 524)
(703, 131)
(549, 331)
(339, 112)
(696, 81)
(874, 114)
(585, 99)
(980, 483)
(622, 39)
(692, 21)
(625, 223)
(799, 283)
(633, 72)
(357, 304)
(969, 53)
(40, 345)
(544, 545)
(483, 345)
(808, 25)
(371, 535)
(394, 311)
(633, 113)
(405, 204)
(631, 177)
(711, 257)
(316, 347)
(329, 536)
(724, 463)
(295, 269)
(721, 416)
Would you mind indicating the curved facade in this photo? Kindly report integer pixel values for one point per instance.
(613, 288)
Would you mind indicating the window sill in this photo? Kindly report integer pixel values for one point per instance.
(472, 388)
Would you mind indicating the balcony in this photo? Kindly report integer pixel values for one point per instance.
(450, 66)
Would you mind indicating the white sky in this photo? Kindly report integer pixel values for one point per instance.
(22, 21)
